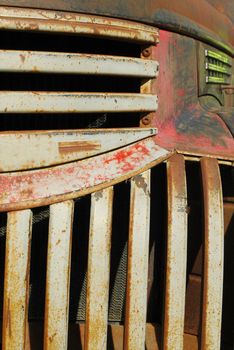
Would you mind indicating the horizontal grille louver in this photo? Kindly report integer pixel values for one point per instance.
(218, 67)
(74, 65)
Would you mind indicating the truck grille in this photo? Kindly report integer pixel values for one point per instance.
(100, 238)
(65, 72)
(143, 221)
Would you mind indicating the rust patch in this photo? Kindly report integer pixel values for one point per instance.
(51, 338)
(78, 146)
(141, 183)
(98, 195)
(8, 324)
(22, 57)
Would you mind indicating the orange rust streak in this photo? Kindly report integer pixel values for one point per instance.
(78, 146)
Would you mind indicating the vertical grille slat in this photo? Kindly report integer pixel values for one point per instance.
(98, 276)
(58, 276)
(137, 274)
(176, 254)
(16, 279)
(213, 255)
(132, 332)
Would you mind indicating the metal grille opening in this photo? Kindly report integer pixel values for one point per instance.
(80, 240)
(158, 255)
(218, 67)
(59, 79)
(193, 316)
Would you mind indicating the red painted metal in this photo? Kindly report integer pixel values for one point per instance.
(183, 124)
(49, 185)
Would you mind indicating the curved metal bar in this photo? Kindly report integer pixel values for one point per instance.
(39, 149)
(63, 22)
(34, 188)
(184, 17)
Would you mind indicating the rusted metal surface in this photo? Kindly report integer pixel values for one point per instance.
(176, 254)
(58, 276)
(115, 337)
(51, 21)
(57, 62)
(188, 17)
(213, 255)
(97, 296)
(37, 149)
(146, 86)
(193, 304)
(182, 123)
(137, 274)
(228, 115)
(16, 280)
(29, 189)
(75, 102)
(228, 283)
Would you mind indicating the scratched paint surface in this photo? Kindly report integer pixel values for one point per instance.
(182, 122)
(28, 19)
(32, 188)
(37, 149)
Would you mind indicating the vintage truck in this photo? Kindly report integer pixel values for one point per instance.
(116, 174)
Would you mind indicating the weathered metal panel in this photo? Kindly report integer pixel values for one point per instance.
(174, 309)
(58, 276)
(182, 123)
(51, 21)
(75, 102)
(97, 296)
(188, 17)
(27, 150)
(137, 274)
(46, 186)
(213, 255)
(16, 280)
(57, 62)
